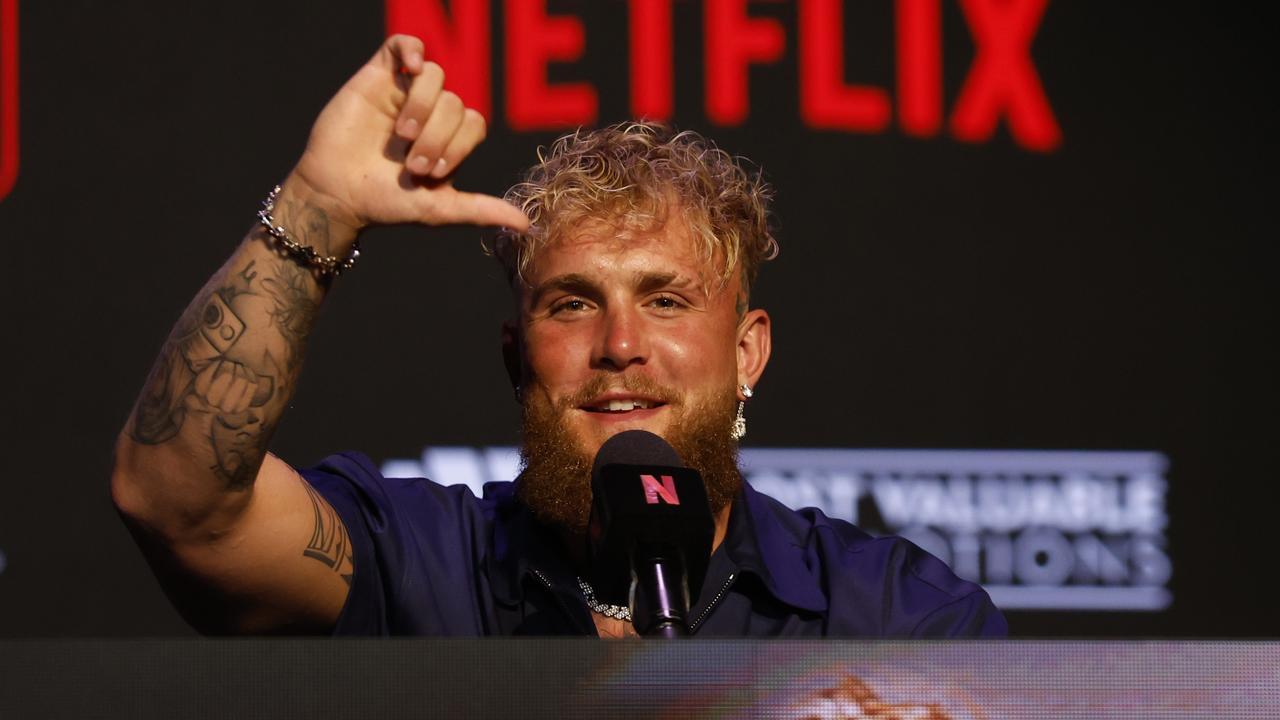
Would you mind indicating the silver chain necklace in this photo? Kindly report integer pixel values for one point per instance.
(614, 611)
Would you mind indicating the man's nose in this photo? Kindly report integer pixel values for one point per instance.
(623, 340)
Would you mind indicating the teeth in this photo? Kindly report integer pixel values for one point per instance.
(628, 405)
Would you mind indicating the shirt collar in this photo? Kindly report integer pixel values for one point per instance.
(523, 548)
(757, 541)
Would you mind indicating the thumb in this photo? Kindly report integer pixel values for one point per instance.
(479, 209)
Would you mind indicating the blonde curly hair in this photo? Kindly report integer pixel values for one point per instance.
(630, 176)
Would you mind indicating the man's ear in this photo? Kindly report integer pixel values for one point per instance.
(755, 342)
(512, 353)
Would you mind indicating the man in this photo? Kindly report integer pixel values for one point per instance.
(631, 254)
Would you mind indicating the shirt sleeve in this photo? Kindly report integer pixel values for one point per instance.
(418, 548)
(354, 487)
(973, 615)
(953, 607)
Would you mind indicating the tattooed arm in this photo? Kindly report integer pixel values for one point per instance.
(239, 540)
(236, 536)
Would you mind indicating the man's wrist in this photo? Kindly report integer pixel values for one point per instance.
(318, 229)
(315, 218)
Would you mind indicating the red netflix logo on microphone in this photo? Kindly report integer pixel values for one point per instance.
(656, 493)
(1000, 86)
(8, 95)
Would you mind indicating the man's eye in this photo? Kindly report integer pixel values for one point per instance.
(666, 302)
(569, 306)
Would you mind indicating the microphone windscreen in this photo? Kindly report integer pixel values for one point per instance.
(636, 447)
(645, 504)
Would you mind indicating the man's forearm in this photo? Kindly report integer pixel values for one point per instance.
(230, 364)
(200, 428)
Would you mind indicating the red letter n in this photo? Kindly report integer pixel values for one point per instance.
(460, 47)
(664, 492)
(1003, 79)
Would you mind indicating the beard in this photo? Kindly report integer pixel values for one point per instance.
(556, 479)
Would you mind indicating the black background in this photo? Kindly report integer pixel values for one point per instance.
(1117, 293)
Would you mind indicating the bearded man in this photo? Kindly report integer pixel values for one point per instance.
(631, 251)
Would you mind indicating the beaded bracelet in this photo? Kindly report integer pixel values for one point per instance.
(304, 254)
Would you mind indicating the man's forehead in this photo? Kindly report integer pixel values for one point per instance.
(598, 248)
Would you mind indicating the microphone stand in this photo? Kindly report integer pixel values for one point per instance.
(661, 596)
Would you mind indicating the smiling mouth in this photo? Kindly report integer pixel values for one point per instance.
(622, 406)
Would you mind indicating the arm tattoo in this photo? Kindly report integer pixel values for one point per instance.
(329, 542)
(292, 312)
(310, 225)
(229, 366)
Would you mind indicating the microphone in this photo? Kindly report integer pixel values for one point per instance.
(650, 532)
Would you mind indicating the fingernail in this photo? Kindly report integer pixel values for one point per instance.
(408, 128)
(440, 170)
(419, 164)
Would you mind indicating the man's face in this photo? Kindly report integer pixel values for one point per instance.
(631, 332)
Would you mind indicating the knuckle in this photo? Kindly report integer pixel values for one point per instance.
(477, 121)
(449, 101)
(432, 71)
(453, 154)
(415, 108)
(404, 40)
(426, 146)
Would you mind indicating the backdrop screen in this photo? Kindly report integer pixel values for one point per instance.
(1024, 310)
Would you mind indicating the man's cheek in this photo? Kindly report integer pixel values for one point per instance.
(560, 371)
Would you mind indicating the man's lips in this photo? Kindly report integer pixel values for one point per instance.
(623, 418)
(621, 404)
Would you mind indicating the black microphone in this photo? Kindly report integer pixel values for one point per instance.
(650, 532)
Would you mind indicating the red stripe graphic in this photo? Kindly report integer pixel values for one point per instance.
(8, 95)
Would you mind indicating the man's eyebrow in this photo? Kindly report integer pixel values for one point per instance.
(576, 283)
(579, 284)
(651, 281)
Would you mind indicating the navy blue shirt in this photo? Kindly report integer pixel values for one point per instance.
(435, 560)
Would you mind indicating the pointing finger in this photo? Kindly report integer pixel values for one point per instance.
(480, 209)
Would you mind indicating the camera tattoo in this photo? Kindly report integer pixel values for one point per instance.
(230, 364)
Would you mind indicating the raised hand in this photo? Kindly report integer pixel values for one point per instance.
(384, 149)
(247, 543)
